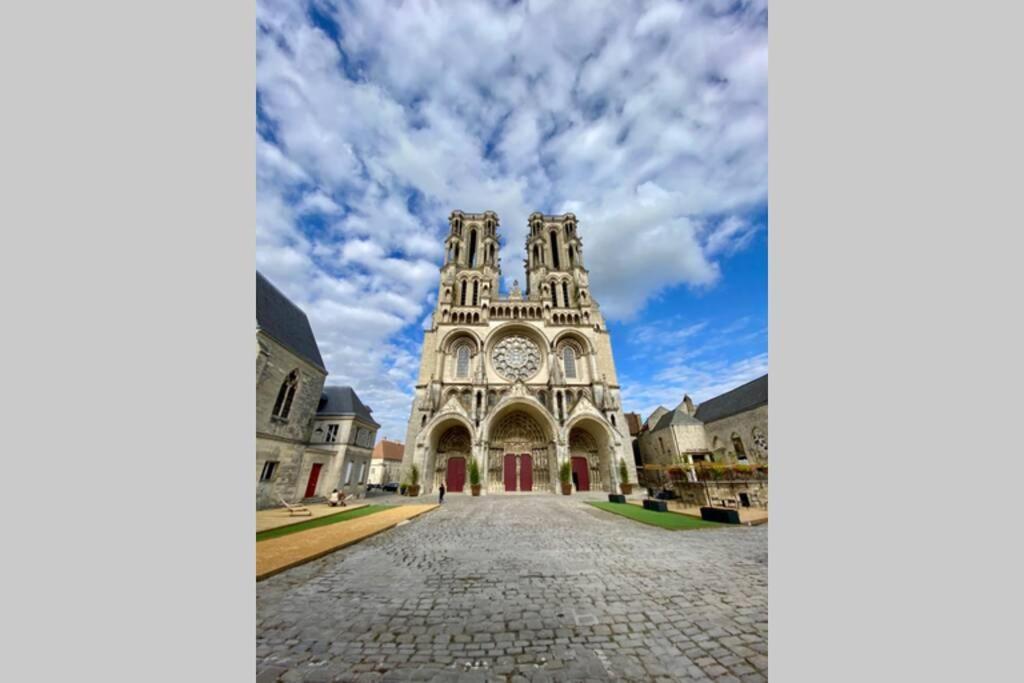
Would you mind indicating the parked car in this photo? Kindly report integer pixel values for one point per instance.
(392, 486)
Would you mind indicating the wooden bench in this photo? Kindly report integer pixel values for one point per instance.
(295, 509)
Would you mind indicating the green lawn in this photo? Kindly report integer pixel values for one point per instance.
(321, 521)
(666, 520)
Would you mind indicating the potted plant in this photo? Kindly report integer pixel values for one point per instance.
(627, 487)
(565, 476)
(474, 477)
(414, 481)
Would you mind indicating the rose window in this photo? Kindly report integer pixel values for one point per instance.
(516, 357)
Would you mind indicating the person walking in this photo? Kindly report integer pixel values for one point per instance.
(440, 498)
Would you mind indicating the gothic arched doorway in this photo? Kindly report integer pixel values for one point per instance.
(590, 457)
(520, 455)
(453, 451)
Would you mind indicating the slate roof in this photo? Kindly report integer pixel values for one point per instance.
(343, 402)
(388, 450)
(746, 397)
(278, 317)
(675, 417)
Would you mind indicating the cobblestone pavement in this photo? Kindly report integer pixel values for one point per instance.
(522, 588)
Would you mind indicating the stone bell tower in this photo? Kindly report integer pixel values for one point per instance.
(471, 270)
(554, 264)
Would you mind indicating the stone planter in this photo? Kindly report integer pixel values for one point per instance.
(413, 490)
(616, 498)
(475, 488)
(656, 505)
(626, 489)
(566, 489)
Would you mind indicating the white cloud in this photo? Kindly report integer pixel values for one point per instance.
(647, 119)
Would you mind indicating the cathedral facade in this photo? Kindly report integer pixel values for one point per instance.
(520, 382)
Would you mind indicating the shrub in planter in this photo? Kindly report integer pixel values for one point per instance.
(627, 488)
(565, 476)
(474, 477)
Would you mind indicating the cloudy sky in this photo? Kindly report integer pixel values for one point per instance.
(648, 120)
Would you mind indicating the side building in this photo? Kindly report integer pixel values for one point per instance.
(715, 453)
(386, 463)
(294, 460)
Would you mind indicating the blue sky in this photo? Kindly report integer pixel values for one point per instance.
(648, 120)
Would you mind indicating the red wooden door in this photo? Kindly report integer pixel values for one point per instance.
(510, 472)
(314, 474)
(525, 472)
(579, 468)
(455, 476)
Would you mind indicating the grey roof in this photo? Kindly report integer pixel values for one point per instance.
(679, 416)
(655, 416)
(343, 401)
(278, 317)
(747, 397)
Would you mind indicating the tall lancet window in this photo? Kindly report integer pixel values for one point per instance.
(569, 360)
(472, 248)
(462, 298)
(285, 395)
(462, 362)
(476, 288)
(572, 256)
(565, 293)
(554, 295)
(554, 250)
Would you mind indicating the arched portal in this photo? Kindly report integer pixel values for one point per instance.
(590, 452)
(453, 453)
(522, 453)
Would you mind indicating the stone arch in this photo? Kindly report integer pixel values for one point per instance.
(591, 438)
(582, 343)
(520, 435)
(448, 341)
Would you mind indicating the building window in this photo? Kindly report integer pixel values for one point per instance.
(476, 287)
(269, 467)
(737, 445)
(662, 444)
(565, 293)
(569, 360)
(462, 297)
(554, 295)
(359, 477)
(462, 361)
(348, 473)
(332, 433)
(283, 404)
(554, 250)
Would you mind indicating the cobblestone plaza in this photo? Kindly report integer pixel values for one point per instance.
(530, 587)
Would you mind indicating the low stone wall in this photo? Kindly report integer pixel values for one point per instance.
(697, 493)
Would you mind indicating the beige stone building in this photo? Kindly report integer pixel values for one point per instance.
(309, 439)
(386, 463)
(522, 381)
(730, 429)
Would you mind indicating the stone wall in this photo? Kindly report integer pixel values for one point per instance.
(273, 366)
(283, 441)
(742, 424)
(695, 493)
